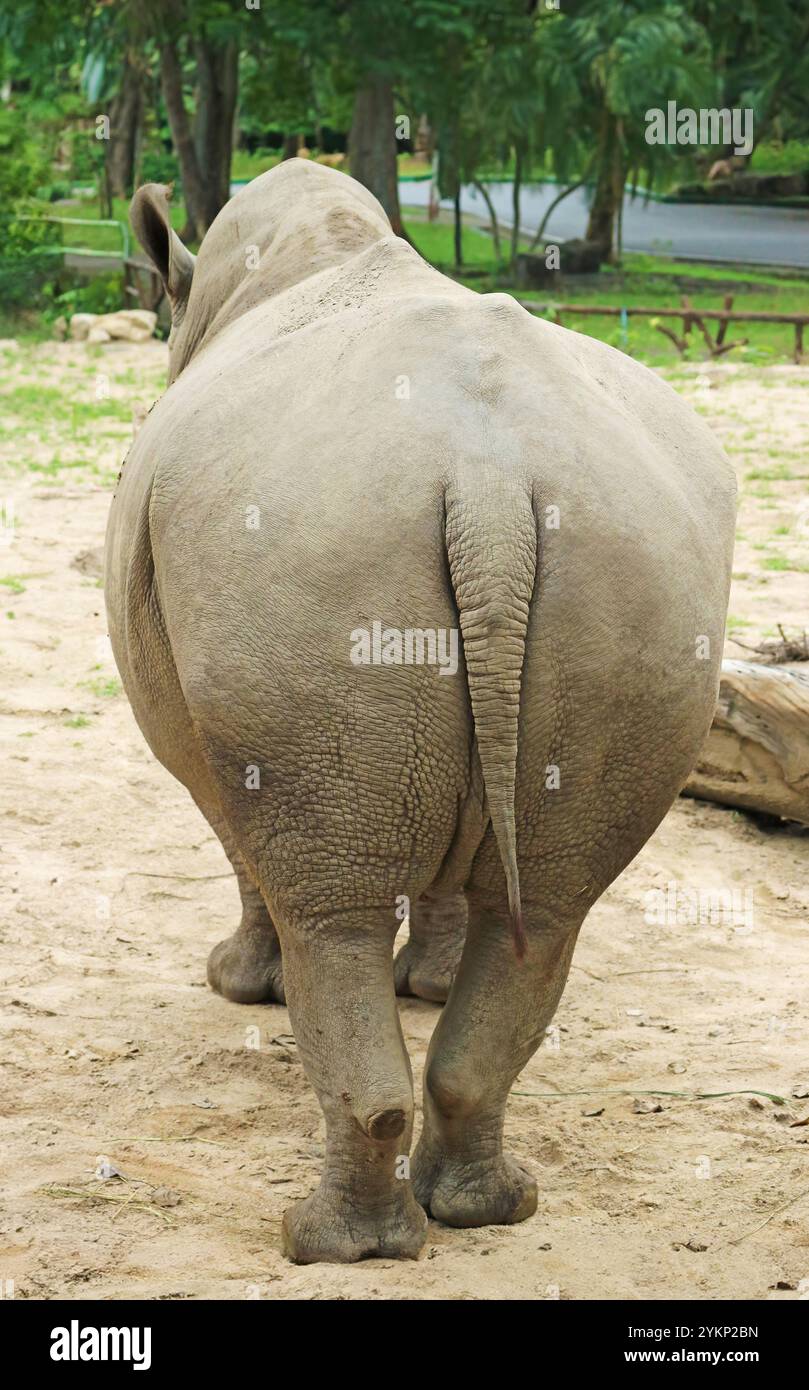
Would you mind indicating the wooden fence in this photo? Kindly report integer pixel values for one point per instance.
(691, 318)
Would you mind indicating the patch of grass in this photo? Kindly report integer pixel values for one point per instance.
(105, 687)
(77, 721)
(780, 473)
(56, 465)
(13, 583)
(780, 562)
(435, 242)
(641, 280)
(43, 405)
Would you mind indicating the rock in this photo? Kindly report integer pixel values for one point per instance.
(532, 272)
(164, 1197)
(80, 325)
(107, 1170)
(580, 257)
(127, 325)
(130, 325)
(576, 257)
(90, 562)
(646, 1105)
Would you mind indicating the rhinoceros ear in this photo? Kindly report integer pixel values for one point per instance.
(151, 223)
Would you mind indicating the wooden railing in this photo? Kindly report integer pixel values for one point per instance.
(691, 318)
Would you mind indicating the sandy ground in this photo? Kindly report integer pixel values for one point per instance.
(113, 890)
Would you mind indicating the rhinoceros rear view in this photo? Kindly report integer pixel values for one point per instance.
(420, 597)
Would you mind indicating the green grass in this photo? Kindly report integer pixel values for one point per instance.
(105, 687)
(42, 404)
(13, 584)
(642, 280)
(781, 473)
(249, 164)
(770, 157)
(781, 563)
(435, 242)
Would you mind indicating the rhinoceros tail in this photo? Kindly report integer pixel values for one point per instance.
(491, 540)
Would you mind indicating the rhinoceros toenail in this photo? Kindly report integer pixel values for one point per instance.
(386, 1124)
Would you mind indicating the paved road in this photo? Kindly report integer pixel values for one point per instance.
(755, 236)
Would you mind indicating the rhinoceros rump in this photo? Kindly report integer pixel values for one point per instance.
(351, 438)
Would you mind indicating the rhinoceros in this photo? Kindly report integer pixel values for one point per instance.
(360, 466)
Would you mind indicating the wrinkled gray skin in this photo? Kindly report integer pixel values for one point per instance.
(590, 646)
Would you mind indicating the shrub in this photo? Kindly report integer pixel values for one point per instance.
(28, 249)
(101, 295)
(159, 166)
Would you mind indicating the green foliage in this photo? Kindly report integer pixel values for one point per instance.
(515, 87)
(776, 157)
(159, 166)
(101, 295)
(27, 247)
(22, 161)
(761, 57)
(603, 68)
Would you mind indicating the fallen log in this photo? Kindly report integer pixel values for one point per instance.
(756, 755)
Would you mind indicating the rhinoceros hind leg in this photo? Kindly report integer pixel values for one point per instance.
(427, 963)
(342, 1007)
(247, 967)
(493, 1023)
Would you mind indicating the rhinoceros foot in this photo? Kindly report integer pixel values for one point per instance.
(494, 1191)
(427, 971)
(247, 970)
(323, 1228)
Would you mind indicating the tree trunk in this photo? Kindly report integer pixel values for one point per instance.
(458, 230)
(517, 186)
(217, 77)
(171, 78)
(609, 190)
(372, 146)
(495, 225)
(292, 144)
(756, 755)
(554, 205)
(125, 119)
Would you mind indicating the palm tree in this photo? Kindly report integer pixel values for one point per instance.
(601, 71)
